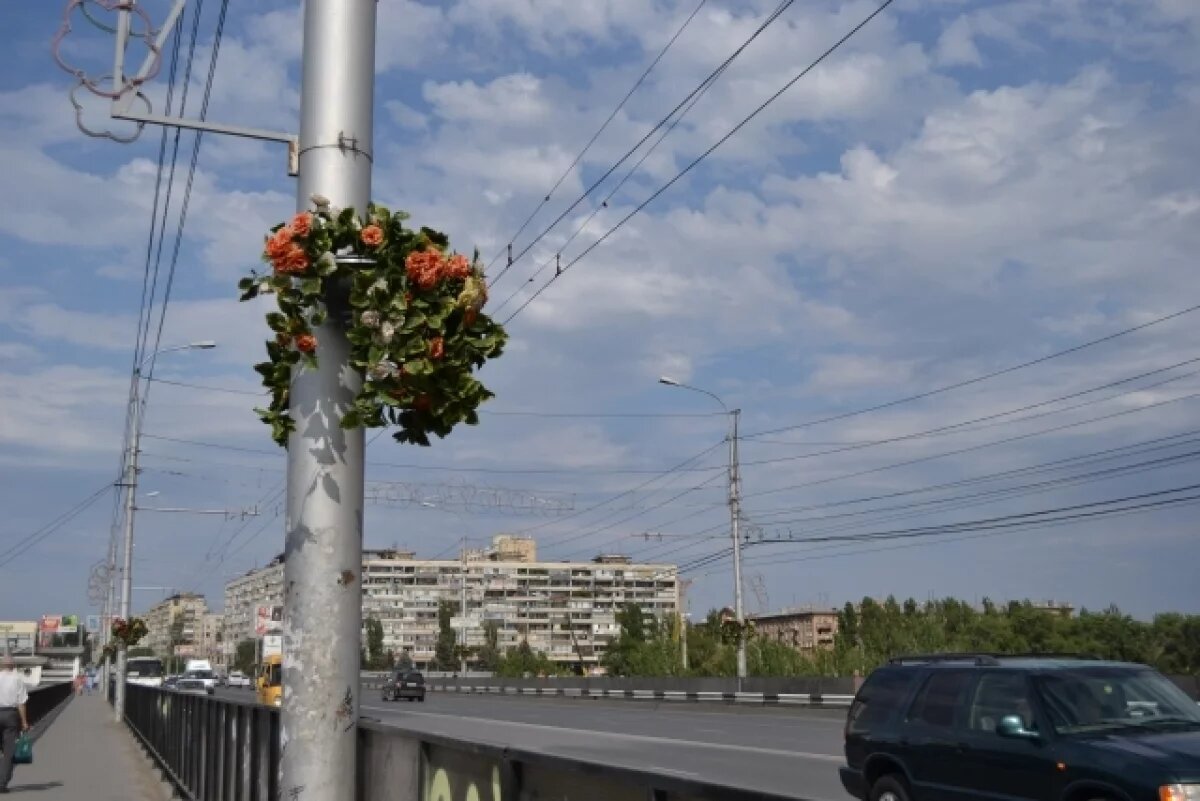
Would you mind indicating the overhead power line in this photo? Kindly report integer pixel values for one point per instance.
(696, 161)
(551, 471)
(944, 454)
(1092, 457)
(27, 542)
(968, 425)
(783, 6)
(980, 378)
(579, 157)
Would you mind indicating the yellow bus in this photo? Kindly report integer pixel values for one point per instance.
(269, 680)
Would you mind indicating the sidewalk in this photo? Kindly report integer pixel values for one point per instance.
(85, 756)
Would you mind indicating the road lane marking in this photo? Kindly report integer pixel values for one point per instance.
(747, 749)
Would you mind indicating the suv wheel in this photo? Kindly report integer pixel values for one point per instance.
(890, 788)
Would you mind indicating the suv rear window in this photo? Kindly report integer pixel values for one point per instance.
(881, 695)
(938, 702)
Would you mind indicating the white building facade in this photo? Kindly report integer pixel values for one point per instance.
(565, 610)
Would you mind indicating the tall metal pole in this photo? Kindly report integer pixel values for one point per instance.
(130, 482)
(322, 619)
(735, 514)
(462, 633)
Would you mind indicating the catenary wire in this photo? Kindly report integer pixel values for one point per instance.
(696, 161)
(636, 85)
(595, 185)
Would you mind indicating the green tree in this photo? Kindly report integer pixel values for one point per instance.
(244, 656)
(446, 651)
(489, 655)
(374, 659)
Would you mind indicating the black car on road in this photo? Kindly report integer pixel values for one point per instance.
(406, 684)
(952, 727)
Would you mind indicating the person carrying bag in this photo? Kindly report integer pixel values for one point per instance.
(13, 720)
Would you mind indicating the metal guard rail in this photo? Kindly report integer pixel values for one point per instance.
(219, 750)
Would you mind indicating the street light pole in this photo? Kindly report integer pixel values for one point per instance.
(735, 515)
(130, 484)
(322, 604)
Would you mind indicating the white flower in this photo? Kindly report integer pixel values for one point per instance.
(369, 318)
(320, 201)
(326, 262)
(384, 370)
(386, 332)
(380, 285)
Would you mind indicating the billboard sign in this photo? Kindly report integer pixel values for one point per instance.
(272, 645)
(68, 624)
(268, 620)
(186, 649)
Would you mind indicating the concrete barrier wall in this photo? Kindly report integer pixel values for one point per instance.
(211, 748)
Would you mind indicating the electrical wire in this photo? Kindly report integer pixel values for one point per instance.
(970, 449)
(583, 226)
(636, 85)
(27, 542)
(696, 161)
(783, 6)
(1093, 457)
(980, 378)
(445, 468)
(961, 427)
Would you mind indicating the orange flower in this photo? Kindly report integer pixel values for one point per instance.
(424, 268)
(437, 348)
(279, 243)
(458, 266)
(306, 343)
(469, 317)
(296, 261)
(372, 236)
(301, 224)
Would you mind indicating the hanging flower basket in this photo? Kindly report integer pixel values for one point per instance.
(128, 632)
(412, 311)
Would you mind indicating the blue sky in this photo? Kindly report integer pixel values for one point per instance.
(963, 187)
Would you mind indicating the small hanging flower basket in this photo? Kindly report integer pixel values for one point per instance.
(412, 311)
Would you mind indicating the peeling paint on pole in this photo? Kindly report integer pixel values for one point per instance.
(323, 550)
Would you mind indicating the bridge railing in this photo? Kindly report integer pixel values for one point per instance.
(219, 750)
(45, 699)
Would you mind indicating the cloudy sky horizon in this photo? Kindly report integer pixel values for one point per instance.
(963, 187)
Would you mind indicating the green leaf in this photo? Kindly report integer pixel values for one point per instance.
(277, 322)
(352, 419)
(436, 237)
(311, 286)
(346, 217)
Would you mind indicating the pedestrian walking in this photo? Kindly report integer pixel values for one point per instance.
(13, 720)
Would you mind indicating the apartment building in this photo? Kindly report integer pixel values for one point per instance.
(244, 596)
(173, 626)
(806, 629)
(566, 610)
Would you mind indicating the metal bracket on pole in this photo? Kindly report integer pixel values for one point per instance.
(292, 141)
(122, 106)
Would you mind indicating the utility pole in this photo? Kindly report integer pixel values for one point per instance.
(462, 633)
(322, 619)
(130, 482)
(735, 514)
(683, 619)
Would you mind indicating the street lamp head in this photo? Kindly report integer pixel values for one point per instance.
(670, 382)
(204, 344)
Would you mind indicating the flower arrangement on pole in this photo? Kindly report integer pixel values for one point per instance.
(412, 311)
(125, 634)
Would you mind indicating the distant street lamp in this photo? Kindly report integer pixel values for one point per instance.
(735, 513)
(130, 485)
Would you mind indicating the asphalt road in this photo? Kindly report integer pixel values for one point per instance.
(792, 751)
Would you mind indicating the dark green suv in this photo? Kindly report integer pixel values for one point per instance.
(952, 727)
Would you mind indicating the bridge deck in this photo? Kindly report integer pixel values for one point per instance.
(84, 756)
